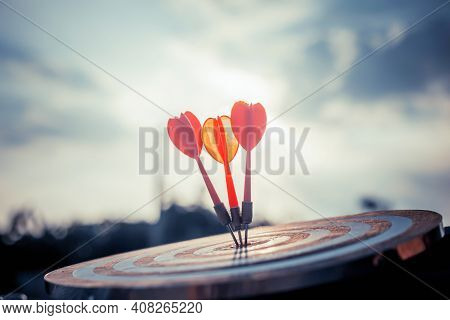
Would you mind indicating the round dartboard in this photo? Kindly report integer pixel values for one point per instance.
(277, 259)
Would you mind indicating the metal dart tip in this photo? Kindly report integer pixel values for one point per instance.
(240, 238)
(232, 234)
(246, 233)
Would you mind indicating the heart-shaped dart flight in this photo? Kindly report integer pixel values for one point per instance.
(185, 133)
(222, 145)
(249, 124)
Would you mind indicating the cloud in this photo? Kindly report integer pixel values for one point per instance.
(27, 114)
(12, 55)
(343, 45)
(14, 128)
(409, 65)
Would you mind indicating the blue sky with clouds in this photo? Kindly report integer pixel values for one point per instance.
(69, 132)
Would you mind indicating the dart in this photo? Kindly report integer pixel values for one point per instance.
(222, 145)
(185, 133)
(249, 124)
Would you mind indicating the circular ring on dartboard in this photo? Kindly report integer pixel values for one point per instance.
(219, 254)
(264, 246)
(281, 256)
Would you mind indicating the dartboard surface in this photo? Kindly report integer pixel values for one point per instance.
(278, 258)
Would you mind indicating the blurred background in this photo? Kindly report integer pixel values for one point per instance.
(69, 131)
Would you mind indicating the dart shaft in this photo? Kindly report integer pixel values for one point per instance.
(247, 207)
(248, 178)
(240, 238)
(212, 191)
(231, 191)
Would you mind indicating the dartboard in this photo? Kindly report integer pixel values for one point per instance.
(278, 258)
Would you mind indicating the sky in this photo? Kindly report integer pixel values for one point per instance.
(71, 104)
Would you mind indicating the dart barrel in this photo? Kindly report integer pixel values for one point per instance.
(278, 259)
